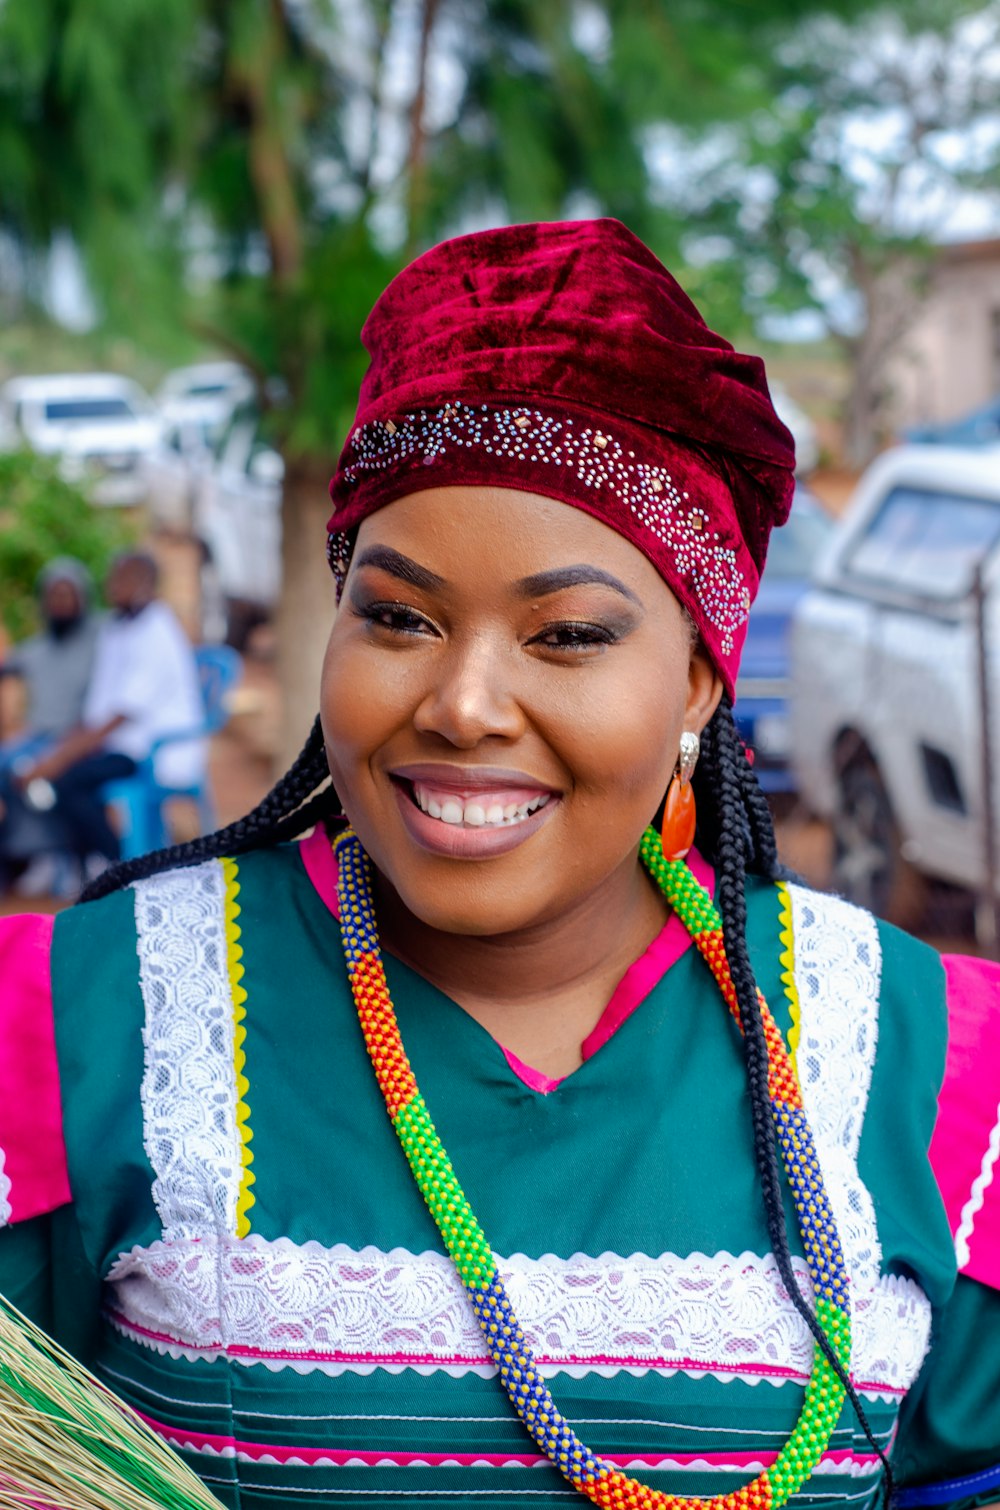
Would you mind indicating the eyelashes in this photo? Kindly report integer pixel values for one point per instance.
(395, 617)
(392, 620)
(576, 636)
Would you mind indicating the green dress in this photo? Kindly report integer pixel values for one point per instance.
(206, 1201)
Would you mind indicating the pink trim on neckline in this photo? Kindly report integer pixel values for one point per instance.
(631, 991)
(320, 862)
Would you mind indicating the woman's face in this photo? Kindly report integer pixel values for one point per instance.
(504, 691)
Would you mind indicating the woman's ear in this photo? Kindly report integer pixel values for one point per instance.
(704, 691)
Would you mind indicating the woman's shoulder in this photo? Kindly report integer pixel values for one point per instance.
(824, 938)
(934, 1022)
(88, 980)
(95, 948)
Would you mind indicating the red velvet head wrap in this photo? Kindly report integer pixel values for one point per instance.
(564, 359)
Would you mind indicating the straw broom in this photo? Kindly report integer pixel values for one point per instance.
(68, 1443)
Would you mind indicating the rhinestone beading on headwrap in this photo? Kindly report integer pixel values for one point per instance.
(475, 1262)
(522, 434)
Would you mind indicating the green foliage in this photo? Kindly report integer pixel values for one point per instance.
(852, 170)
(255, 170)
(42, 516)
(92, 110)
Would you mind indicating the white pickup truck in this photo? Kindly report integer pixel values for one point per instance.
(886, 727)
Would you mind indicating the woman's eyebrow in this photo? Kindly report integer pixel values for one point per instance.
(543, 582)
(398, 565)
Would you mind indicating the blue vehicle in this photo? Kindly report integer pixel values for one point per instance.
(761, 708)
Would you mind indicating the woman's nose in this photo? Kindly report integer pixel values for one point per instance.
(472, 698)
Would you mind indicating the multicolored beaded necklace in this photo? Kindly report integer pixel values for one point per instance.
(472, 1256)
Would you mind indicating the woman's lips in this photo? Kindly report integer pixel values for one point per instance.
(490, 806)
(471, 821)
(468, 780)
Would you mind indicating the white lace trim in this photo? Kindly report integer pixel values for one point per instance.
(838, 969)
(188, 1087)
(5, 1210)
(340, 1310)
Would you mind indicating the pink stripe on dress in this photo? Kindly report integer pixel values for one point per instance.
(965, 1148)
(631, 991)
(841, 1460)
(31, 1131)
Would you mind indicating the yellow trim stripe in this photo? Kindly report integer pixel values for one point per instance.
(238, 995)
(787, 959)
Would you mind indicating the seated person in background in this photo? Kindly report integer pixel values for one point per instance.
(144, 685)
(55, 666)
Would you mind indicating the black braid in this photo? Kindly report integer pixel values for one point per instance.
(290, 807)
(737, 834)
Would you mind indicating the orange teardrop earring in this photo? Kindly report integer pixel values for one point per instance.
(679, 815)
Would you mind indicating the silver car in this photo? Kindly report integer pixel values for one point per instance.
(100, 425)
(888, 666)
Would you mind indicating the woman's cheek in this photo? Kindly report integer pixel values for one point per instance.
(617, 739)
(358, 696)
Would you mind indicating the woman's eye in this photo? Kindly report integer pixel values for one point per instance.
(395, 617)
(575, 636)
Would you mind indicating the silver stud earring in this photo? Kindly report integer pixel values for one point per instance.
(687, 759)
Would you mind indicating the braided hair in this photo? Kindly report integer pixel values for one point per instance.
(735, 833)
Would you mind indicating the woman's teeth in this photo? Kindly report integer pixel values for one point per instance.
(472, 814)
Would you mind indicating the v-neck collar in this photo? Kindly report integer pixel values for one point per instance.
(641, 977)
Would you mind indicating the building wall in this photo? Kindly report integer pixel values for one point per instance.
(950, 363)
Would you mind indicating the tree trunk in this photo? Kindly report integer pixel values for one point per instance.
(307, 599)
(863, 403)
(416, 165)
(892, 292)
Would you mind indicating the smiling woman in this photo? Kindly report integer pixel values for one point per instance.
(505, 1121)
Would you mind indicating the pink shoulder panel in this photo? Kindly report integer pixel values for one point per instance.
(33, 1173)
(965, 1148)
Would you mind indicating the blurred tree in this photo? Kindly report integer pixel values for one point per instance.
(259, 168)
(836, 197)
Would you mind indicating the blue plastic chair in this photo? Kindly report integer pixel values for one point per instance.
(140, 798)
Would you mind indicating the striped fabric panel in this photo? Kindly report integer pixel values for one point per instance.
(314, 1439)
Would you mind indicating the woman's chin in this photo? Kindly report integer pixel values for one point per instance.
(455, 893)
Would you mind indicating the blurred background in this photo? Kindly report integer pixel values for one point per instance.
(201, 199)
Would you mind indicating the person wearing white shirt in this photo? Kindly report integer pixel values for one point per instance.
(144, 685)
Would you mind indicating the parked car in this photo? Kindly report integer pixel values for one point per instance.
(762, 692)
(886, 729)
(173, 472)
(237, 518)
(204, 395)
(979, 428)
(99, 424)
(196, 403)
